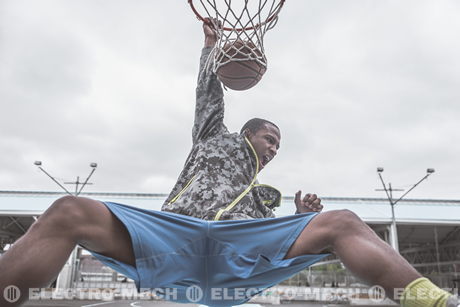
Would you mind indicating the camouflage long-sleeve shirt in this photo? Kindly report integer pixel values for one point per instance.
(218, 181)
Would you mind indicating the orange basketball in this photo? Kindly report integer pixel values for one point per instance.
(241, 73)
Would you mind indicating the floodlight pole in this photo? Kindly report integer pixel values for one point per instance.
(389, 192)
(74, 255)
(77, 183)
(39, 165)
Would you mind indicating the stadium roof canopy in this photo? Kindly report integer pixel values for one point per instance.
(371, 210)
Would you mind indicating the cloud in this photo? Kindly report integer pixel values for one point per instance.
(353, 85)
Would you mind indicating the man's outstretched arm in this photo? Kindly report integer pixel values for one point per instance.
(209, 109)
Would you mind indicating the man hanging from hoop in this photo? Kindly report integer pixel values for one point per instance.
(216, 231)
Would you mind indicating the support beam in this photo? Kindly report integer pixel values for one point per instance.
(433, 264)
(15, 221)
(437, 247)
(9, 234)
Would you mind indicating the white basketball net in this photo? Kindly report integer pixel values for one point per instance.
(244, 21)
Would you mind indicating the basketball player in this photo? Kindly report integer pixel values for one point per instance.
(216, 230)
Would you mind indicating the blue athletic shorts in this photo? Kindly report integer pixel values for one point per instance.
(214, 263)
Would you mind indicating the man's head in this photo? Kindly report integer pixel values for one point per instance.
(265, 138)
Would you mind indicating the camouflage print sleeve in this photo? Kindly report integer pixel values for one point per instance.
(209, 109)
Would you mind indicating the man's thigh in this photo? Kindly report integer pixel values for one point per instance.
(104, 233)
(316, 236)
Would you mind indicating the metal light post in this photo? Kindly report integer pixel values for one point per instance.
(74, 256)
(77, 182)
(389, 193)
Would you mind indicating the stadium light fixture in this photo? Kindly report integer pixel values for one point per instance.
(93, 165)
(389, 193)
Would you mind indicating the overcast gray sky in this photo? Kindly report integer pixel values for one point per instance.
(352, 84)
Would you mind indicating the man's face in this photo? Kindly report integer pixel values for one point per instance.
(266, 142)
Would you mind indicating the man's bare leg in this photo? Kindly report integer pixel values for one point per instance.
(37, 257)
(358, 247)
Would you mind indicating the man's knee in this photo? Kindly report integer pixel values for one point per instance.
(345, 216)
(67, 214)
(342, 221)
(323, 231)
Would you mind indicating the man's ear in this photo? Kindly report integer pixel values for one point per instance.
(246, 133)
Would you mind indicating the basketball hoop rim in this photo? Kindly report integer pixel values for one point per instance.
(238, 29)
